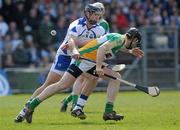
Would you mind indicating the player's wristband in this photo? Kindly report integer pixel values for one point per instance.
(130, 51)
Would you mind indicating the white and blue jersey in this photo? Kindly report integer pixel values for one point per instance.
(82, 35)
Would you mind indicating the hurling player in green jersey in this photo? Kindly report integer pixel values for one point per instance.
(95, 52)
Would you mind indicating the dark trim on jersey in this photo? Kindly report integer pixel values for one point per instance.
(93, 33)
(82, 32)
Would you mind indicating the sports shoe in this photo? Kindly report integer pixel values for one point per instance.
(72, 107)
(78, 113)
(21, 116)
(28, 116)
(19, 119)
(112, 116)
(63, 107)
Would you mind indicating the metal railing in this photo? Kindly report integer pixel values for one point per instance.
(161, 60)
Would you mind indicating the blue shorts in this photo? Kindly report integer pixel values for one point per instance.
(61, 63)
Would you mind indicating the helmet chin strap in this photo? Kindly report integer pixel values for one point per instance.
(90, 21)
(130, 45)
(86, 15)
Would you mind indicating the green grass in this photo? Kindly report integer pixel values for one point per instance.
(141, 112)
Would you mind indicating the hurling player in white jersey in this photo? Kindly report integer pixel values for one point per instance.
(80, 32)
(76, 90)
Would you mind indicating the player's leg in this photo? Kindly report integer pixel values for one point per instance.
(74, 95)
(77, 87)
(66, 81)
(89, 85)
(54, 75)
(112, 91)
(111, 95)
(51, 78)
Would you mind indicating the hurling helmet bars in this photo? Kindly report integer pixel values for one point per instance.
(90, 8)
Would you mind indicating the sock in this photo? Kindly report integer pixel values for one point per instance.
(74, 99)
(29, 100)
(22, 112)
(68, 99)
(34, 103)
(81, 102)
(109, 107)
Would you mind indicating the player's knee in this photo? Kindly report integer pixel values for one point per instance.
(93, 78)
(117, 75)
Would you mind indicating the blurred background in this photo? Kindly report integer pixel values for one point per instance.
(27, 49)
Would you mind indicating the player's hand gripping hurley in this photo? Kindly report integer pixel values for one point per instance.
(153, 90)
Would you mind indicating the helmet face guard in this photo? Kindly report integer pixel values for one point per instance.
(90, 9)
(101, 6)
(133, 33)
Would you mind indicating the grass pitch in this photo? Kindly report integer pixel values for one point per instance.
(141, 112)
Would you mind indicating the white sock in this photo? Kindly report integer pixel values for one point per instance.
(22, 112)
(81, 102)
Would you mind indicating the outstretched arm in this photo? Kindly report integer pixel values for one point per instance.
(135, 51)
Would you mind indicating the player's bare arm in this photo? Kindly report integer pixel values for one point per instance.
(135, 51)
(73, 48)
(101, 56)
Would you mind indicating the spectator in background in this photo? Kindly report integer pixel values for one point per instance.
(31, 50)
(7, 44)
(33, 19)
(165, 18)
(15, 40)
(12, 28)
(175, 19)
(21, 57)
(33, 22)
(3, 27)
(50, 10)
(20, 15)
(7, 10)
(122, 22)
(7, 61)
(113, 25)
(156, 18)
(44, 37)
(61, 28)
(47, 56)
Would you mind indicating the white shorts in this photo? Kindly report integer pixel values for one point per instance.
(83, 65)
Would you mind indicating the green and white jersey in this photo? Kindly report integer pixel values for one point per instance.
(103, 23)
(114, 42)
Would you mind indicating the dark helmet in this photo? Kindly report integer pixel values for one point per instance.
(134, 33)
